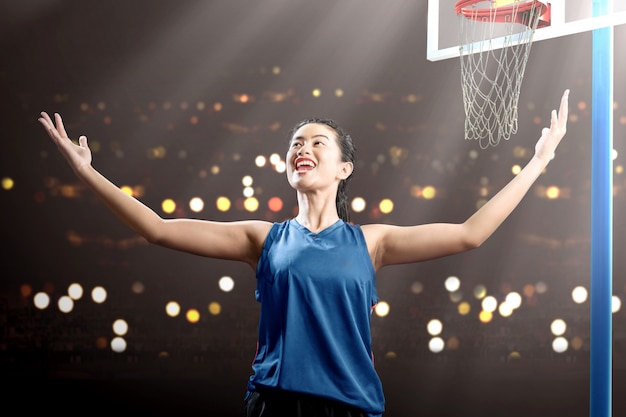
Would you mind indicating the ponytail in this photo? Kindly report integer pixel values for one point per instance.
(343, 205)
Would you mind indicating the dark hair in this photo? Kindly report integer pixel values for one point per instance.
(348, 152)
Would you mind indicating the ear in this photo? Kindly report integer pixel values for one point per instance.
(346, 170)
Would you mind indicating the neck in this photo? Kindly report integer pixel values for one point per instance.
(316, 214)
(317, 224)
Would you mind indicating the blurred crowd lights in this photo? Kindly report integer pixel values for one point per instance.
(504, 304)
(251, 203)
(42, 300)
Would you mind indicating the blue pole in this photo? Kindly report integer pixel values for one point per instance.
(601, 217)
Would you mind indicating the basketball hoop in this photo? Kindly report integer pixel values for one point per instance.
(495, 39)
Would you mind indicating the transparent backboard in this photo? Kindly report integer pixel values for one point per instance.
(567, 17)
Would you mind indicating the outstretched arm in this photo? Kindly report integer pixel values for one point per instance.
(241, 241)
(396, 244)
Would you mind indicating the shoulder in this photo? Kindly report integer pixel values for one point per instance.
(375, 231)
(258, 229)
(375, 237)
(253, 231)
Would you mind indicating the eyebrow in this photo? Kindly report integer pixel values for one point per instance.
(312, 137)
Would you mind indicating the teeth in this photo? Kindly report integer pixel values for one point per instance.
(302, 163)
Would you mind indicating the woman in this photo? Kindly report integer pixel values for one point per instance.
(315, 272)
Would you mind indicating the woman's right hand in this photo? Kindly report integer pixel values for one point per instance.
(77, 156)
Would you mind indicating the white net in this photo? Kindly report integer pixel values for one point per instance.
(492, 75)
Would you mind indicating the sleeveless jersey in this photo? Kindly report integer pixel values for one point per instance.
(317, 292)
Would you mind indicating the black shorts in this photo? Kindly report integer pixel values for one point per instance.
(269, 403)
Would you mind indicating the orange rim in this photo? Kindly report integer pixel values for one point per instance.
(504, 13)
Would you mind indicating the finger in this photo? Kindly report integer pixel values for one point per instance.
(44, 115)
(82, 141)
(60, 127)
(46, 122)
(563, 110)
(564, 102)
(44, 119)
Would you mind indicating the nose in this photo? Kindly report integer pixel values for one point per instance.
(302, 149)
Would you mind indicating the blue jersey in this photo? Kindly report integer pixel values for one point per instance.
(317, 292)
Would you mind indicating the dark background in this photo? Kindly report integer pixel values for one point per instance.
(120, 73)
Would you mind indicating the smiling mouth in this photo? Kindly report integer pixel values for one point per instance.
(304, 166)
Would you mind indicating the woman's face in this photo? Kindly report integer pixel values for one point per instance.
(314, 160)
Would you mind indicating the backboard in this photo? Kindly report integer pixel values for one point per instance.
(567, 17)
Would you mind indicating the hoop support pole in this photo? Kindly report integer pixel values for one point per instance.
(601, 217)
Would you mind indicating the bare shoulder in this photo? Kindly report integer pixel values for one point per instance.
(376, 233)
(374, 236)
(254, 232)
(257, 229)
(373, 232)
